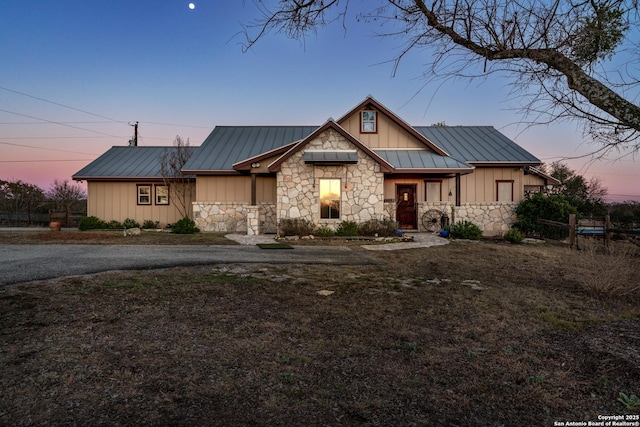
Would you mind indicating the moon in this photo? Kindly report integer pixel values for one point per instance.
(192, 6)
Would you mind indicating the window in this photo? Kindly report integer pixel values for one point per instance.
(434, 191)
(330, 198)
(162, 195)
(504, 191)
(368, 122)
(144, 194)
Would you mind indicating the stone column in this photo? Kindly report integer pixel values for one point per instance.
(253, 220)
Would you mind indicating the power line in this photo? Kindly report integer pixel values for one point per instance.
(45, 161)
(174, 124)
(45, 148)
(40, 123)
(56, 137)
(62, 105)
(59, 123)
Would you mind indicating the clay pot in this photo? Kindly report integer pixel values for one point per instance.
(55, 225)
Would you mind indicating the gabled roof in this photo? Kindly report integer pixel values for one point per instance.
(548, 178)
(228, 145)
(384, 165)
(370, 101)
(478, 145)
(125, 163)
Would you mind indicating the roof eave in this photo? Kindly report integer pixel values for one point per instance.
(484, 163)
(246, 164)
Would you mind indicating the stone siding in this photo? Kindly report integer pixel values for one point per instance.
(494, 219)
(233, 217)
(362, 189)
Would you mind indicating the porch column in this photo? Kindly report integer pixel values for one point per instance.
(253, 189)
(253, 220)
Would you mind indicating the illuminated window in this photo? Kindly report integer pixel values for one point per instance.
(368, 121)
(504, 190)
(162, 195)
(144, 194)
(330, 198)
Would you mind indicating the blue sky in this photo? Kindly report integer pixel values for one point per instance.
(181, 72)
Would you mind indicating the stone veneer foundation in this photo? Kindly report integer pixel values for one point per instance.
(235, 217)
(298, 189)
(494, 219)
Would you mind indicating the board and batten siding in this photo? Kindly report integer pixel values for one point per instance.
(235, 189)
(447, 184)
(389, 134)
(480, 186)
(119, 201)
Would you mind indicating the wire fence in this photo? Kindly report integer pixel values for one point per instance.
(39, 219)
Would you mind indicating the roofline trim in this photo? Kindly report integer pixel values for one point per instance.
(384, 165)
(536, 171)
(246, 164)
(393, 116)
(500, 163)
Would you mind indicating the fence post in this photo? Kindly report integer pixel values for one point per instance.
(572, 230)
(607, 232)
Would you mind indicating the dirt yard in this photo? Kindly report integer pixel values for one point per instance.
(466, 334)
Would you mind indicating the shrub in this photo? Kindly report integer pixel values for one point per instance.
(466, 230)
(347, 228)
(185, 226)
(554, 208)
(373, 227)
(130, 223)
(514, 236)
(324, 231)
(114, 225)
(150, 223)
(91, 223)
(608, 274)
(296, 227)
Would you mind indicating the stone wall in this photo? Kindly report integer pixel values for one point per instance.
(298, 190)
(233, 217)
(494, 219)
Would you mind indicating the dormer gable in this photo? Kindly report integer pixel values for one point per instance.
(379, 128)
(345, 157)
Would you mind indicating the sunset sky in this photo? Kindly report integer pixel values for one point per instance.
(76, 75)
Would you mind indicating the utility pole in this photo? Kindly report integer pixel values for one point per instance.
(134, 142)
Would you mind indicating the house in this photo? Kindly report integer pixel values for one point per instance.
(368, 164)
(126, 182)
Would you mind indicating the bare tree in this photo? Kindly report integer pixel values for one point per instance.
(179, 185)
(556, 52)
(65, 196)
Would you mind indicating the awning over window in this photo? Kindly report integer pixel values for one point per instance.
(331, 156)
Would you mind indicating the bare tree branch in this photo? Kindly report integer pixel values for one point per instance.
(555, 51)
(179, 185)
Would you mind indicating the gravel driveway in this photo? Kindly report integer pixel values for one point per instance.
(25, 263)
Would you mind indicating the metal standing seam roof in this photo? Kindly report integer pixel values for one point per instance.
(477, 144)
(125, 162)
(421, 159)
(228, 145)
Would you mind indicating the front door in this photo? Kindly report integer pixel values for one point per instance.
(406, 212)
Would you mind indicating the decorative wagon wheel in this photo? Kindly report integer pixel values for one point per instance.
(432, 220)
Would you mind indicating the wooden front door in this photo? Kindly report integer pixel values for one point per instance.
(406, 206)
